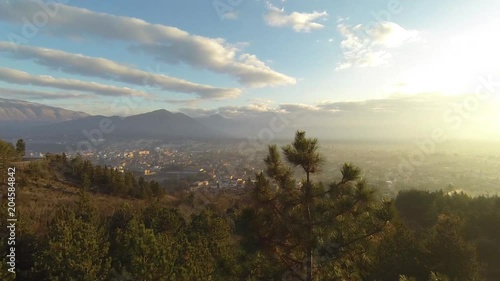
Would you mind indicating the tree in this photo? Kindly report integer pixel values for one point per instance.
(86, 182)
(163, 219)
(315, 231)
(448, 252)
(144, 254)
(304, 153)
(7, 155)
(77, 246)
(7, 152)
(208, 229)
(20, 147)
(398, 253)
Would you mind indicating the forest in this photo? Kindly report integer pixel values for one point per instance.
(94, 223)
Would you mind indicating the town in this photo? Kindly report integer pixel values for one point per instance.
(190, 165)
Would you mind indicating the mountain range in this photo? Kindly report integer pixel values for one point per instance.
(23, 111)
(31, 120)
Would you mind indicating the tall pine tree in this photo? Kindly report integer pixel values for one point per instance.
(317, 232)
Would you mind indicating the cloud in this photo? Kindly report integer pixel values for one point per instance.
(198, 112)
(40, 95)
(249, 70)
(300, 22)
(107, 69)
(389, 108)
(369, 46)
(292, 108)
(424, 102)
(22, 78)
(391, 35)
(168, 44)
(247, 111)
(407, 117)
(244, 112)
(230, 15)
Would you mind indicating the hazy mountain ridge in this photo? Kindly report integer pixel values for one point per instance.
(23, 111)
(36, 120)
(42, 121)
(163, 123)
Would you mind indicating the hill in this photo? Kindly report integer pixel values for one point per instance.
(156, 124)
(12, 110)
(18, 117)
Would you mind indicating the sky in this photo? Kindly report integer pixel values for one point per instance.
(240, 57)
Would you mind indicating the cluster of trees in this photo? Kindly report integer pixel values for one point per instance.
(9, 152)
(156, 243)
(287, 227)
(477, 218)
(105, 180)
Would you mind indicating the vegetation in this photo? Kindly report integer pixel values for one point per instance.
(99, 179)
(104, 225)
(308, 228)
(20, 148)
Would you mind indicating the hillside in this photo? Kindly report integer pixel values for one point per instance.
(43, 185)
(12, 110)
(160, 124)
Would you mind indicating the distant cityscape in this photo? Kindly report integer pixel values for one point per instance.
(212, 165)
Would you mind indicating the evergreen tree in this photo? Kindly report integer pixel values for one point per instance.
(20, 148)
(144, 254)
(215, 232)
(7, 155)
(398, 253)
(449, 253)
(315, 231)
(163, 219)
(77, 246)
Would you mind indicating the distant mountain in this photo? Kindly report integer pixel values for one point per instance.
(160, 124)
(18, 117)
(163, 123)
(23, 111)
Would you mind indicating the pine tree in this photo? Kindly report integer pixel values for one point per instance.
(20, 148)
(7, 155)
(448, 252)
(144, 254)
(399, 252)
(315, 231)
(77, 246)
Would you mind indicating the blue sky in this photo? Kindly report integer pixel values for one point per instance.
(93, 56)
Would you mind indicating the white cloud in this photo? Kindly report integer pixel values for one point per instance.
(395, 117)
(168, 44)
(40, 95)
(198, 112)
(238, 112)
(299, 107)
(300, 22)
(389, 108)
(22, 78)
(391, 35)
(107, 69)
(364, 46)
(230, 15)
